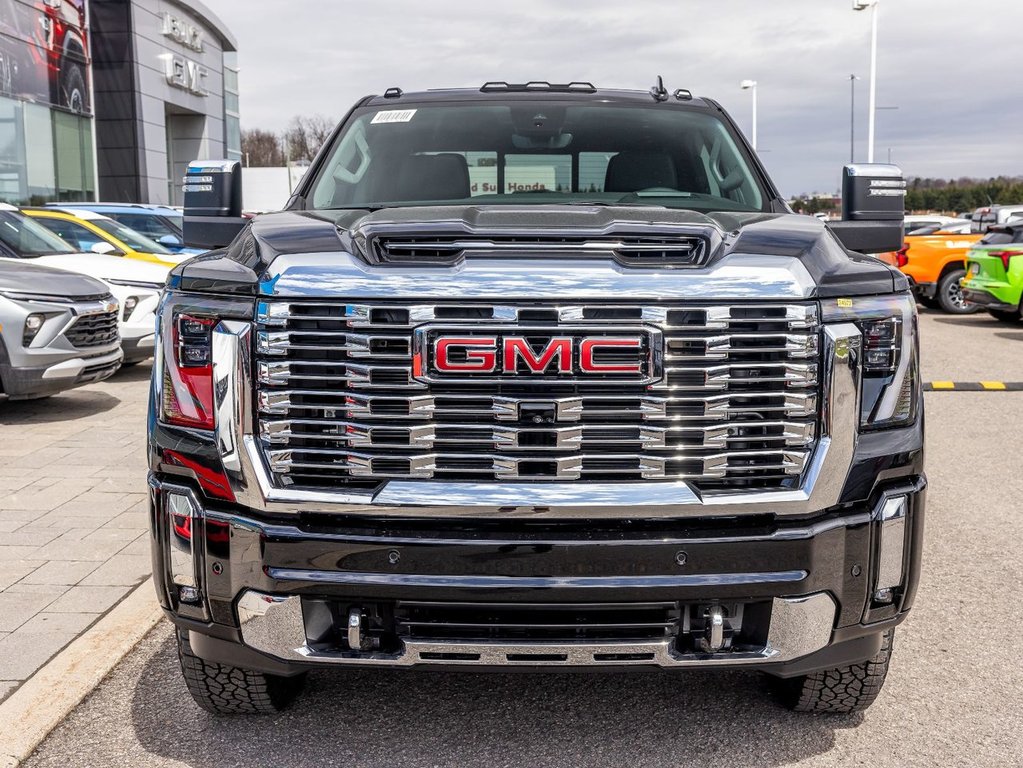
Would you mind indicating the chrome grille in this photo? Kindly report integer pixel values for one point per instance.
(339, 405)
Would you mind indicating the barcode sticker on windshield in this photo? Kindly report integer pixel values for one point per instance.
(394, 116)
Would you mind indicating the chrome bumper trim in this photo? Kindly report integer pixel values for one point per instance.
(799, 626)
(821, 488)
(440, 581)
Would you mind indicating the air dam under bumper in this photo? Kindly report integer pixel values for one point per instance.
(275, 626)
(278, 596)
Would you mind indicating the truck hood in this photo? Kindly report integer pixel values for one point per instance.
(252, 264)
(19, 276)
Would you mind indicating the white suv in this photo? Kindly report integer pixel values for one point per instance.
(135, 284)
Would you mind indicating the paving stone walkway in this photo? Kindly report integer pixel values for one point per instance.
(73, 516)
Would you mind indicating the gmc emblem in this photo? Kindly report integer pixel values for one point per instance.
(527, 354)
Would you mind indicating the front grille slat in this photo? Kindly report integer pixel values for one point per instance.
(339, 402)
(93, 330)
(537, 621)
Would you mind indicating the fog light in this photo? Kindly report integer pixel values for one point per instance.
(891, 549)
(32, 325)
(884, 596)
(181, 513)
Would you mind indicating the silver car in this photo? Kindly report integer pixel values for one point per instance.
(58, 330)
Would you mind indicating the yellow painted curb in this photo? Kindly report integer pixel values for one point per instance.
(46, 698)
(943, 385)
(993, 384)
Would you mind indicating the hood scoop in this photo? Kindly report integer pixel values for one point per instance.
(446, 243)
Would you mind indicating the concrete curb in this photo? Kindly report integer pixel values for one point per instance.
(46, 698)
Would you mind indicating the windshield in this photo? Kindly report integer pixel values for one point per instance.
(28, 238)
(129, 236)
(537, 152)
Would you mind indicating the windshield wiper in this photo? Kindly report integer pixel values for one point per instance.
(606, 204)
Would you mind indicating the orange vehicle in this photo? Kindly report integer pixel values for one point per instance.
(934, 264)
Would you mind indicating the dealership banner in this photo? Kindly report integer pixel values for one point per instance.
(44, 52)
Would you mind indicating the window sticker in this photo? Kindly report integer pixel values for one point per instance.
(394, 116)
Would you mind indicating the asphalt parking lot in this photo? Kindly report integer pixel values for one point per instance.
(954, 695)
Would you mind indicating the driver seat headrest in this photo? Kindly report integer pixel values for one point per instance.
(633, 171)
(433, 177)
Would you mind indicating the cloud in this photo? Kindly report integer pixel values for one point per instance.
(950, 73)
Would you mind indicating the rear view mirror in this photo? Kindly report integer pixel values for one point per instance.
(171, 241)
(213, 203)
(873, 208)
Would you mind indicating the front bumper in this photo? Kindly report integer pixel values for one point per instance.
(40, 381)
(138, 349)
(271, 595)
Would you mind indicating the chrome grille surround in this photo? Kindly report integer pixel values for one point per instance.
(338, 406)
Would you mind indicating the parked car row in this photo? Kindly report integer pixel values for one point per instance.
(963, 265)
(79, 291)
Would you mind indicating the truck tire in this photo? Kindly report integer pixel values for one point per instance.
(72, 86)
(841, 690)
(226, 690)
(950, 295)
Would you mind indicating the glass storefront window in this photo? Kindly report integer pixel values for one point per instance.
(46, 155)
(234, 137)
(12, 152)
(73, 142)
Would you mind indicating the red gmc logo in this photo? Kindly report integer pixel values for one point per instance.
(444, 355)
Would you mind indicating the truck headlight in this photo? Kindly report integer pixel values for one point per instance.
(129, 306)
(188, 371)
(889, 358)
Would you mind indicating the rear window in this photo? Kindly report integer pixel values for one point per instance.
(999, 237)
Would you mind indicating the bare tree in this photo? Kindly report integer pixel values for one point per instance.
(298, 144)
(305, 136)
(262, 149)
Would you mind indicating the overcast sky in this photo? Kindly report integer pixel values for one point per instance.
(952, 69)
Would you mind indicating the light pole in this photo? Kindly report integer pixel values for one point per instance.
(751, 85)
(860, 5)
(852, 118)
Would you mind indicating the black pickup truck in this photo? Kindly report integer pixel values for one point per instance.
(537, 376)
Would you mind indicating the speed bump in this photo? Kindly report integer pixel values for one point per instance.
(973, 386)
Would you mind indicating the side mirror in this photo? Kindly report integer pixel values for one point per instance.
(103, 247)
(873, 208)
(171, 241)
(213, 203)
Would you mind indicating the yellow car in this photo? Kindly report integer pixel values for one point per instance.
(86, 231)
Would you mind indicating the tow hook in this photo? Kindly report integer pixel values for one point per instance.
(355, 629)
(713, 639)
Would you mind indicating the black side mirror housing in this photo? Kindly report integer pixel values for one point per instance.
(213, 203)
(873, 208)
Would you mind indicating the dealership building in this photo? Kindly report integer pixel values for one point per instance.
(111, 99)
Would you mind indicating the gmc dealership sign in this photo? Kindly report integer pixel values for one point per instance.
(187, 75)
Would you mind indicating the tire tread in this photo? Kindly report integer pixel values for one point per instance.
(226, 690)
(842, 690)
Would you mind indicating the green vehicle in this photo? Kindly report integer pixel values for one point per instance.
(994, 272)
